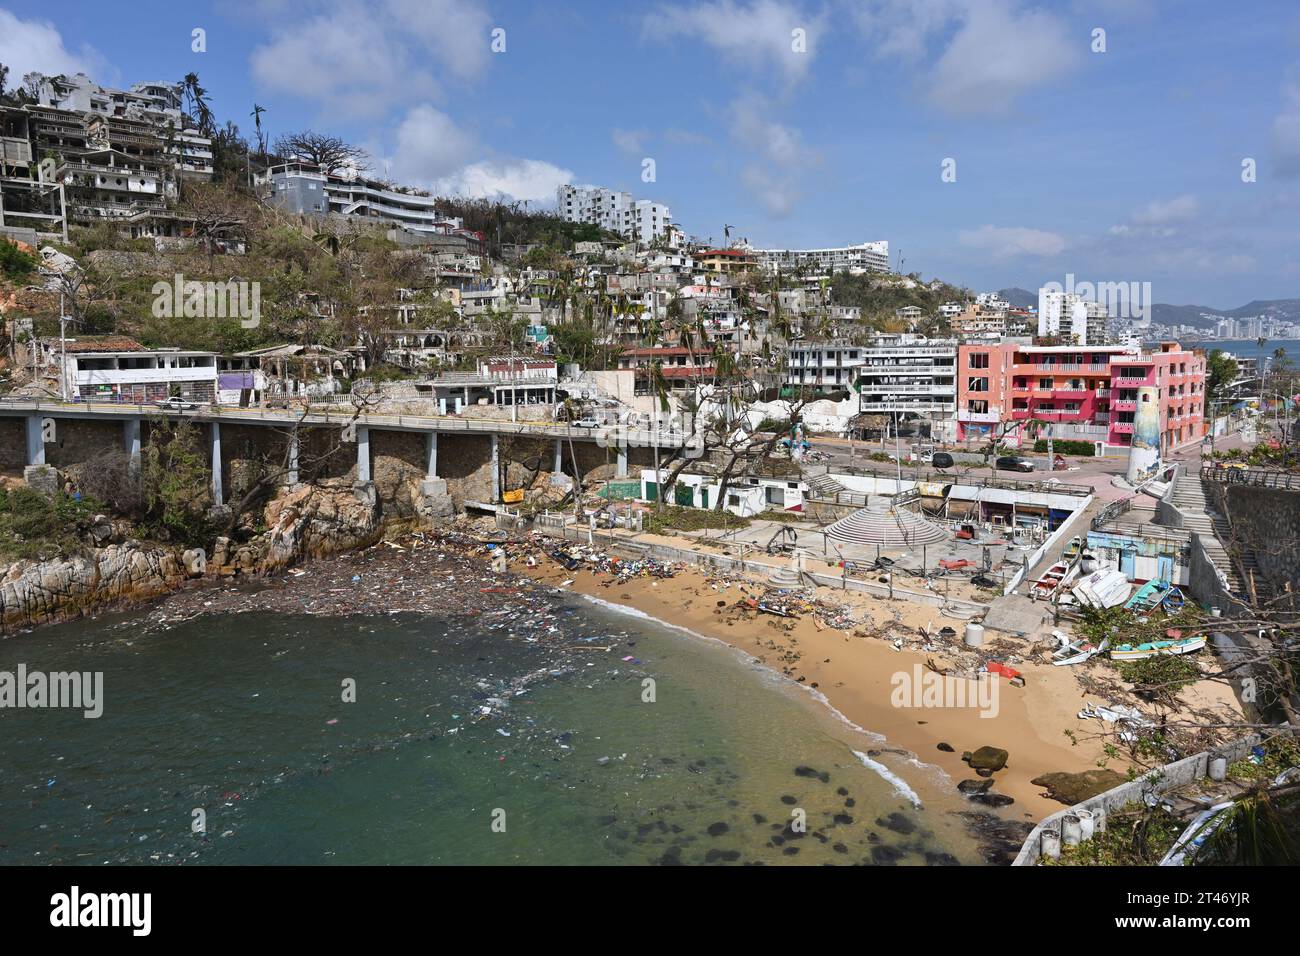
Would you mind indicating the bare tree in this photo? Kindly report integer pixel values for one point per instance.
(330, 153)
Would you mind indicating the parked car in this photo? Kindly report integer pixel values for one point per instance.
(1014, 463)
(585, 423)
(177, 404)
(941, 459)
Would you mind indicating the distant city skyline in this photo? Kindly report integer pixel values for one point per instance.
(992, 143)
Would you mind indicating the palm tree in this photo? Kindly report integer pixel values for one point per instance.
(196, 95)
(257, 121)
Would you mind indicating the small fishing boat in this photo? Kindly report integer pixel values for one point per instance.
(1173, 601)
(1148, 597)
(1137, 652)
(1050, 580)
(1077, 652)
(1073, 549)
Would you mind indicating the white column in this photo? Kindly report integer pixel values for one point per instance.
(431, 455)
(496, 468)
(35, 441)
(294, 449)
(217, 499)
(559, 455)
(131, 441)
(363, 453)
(621, 471)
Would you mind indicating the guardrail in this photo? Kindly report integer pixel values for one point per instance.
(1255, 477)
(1111, 512)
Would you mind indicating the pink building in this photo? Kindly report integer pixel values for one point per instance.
(1085, 393)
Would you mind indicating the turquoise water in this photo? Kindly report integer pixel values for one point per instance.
(242, 717)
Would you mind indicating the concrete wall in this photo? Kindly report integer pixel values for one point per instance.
(1177, 774)
(1268, 521)
(13, 445)
(78, 440)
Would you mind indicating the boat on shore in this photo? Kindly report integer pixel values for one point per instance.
(1051, 580)
(1137, 652)
(1102, 589)
(1148, 597)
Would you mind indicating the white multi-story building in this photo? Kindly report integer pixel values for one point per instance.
(865, 257)
(639, 219)
(1067, 315)
(823, 365)
(903, 375)
(306, 190)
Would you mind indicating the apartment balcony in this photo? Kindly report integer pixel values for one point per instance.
(1071, 393)
(1124, 382)
(888, 388)
(965, 415)
(1122, 428)
(1103, 393)
(906, 407)
(1123, 405)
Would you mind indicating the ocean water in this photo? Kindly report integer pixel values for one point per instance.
(509, 737)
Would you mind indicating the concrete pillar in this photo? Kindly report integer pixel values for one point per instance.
(35, 441)
(363, 453)
(496, 468)
(217, 499)
(131, 441)
(621, 471)
(431, 455)
(295, 449)
(559, 455)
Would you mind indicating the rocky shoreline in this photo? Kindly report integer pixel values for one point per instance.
(313, 521)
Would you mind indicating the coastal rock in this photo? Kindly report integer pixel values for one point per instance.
(946, 748)
(988, 758)
(318, 520)
(993, 799)
(1072, 788)
(974, 786)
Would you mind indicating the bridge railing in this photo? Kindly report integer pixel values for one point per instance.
(1255, 477)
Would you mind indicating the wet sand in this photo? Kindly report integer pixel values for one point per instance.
(855, 673)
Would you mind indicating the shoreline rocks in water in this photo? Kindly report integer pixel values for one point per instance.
(310, 522)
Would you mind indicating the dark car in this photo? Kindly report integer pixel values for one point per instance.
(1014, 463)
(941, 459)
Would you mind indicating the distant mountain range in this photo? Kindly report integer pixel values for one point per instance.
(1286, 310)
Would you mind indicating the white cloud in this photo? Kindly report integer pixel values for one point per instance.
(433, 152)
(759, 34)
(993, 52)
(37, 45)
(778, 156)
(1159, 213)
(523, 179)
(361, 59)
(1286, 127)
(630, 141)
(1007, 242)
(430, 145)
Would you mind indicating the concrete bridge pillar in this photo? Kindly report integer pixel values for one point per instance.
(621, 471)
(35, 441)
(217, 499)
(559, 455)
(131, 442)
(295, 449)
(363, 453)
(496, 468)
(431, 455)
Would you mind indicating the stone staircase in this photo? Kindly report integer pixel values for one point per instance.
(1213, 529)
(887, 527)
(824, 486)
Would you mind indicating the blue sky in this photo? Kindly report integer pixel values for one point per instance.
(798, 123)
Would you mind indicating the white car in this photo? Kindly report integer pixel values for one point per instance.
(585, 423)
(177, 404)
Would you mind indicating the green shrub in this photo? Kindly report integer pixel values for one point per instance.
(1067, 446)
(15, 265)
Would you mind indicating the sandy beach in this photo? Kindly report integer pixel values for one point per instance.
(856, 673)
